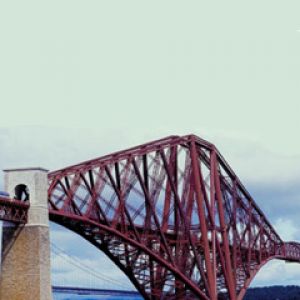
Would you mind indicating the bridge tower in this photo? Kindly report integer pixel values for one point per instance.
(25, 272)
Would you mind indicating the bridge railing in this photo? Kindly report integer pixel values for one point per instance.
(13, 210)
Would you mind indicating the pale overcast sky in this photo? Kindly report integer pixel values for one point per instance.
(83, 78)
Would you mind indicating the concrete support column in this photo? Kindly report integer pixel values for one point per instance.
(25, 272)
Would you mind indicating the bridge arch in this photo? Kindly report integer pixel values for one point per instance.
(76, 262)
(254, 273)
(172, 215)
(85, 229)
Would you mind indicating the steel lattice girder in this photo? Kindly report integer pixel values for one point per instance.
(172, 215)
(13, 210)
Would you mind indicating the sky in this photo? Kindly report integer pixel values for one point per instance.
(80, 79)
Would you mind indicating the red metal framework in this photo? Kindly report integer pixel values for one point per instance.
(13, 210)
(172, 215)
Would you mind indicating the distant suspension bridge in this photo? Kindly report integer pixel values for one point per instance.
(93, 278)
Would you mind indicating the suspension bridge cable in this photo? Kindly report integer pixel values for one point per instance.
(85, 268)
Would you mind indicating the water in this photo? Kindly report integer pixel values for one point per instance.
(92, 297)
(77, 296)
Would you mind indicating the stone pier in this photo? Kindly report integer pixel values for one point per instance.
(25, 270)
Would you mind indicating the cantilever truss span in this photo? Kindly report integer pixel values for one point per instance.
(172, 215)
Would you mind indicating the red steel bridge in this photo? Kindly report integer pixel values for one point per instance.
(171, 214)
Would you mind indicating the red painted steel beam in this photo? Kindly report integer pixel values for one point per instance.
(12, 210)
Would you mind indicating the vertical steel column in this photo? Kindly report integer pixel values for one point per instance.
(225, 241)
(202, 219)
